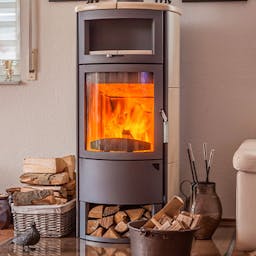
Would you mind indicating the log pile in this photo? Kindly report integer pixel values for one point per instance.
(112, 221)
(107, 251)
(171, 219)
(47, 181)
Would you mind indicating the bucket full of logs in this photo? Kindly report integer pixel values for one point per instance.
(168, 233)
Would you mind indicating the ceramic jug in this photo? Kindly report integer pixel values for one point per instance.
(5, 212)
(207, 204)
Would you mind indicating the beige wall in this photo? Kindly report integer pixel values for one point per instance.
(218, 79)
(218, 49)
(39, 118)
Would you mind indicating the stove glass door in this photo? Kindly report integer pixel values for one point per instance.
(119, 112)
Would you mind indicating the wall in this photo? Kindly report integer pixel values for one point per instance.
(218, 60)
(39, 118)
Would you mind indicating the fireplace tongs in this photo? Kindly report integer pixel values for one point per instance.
(165, 125)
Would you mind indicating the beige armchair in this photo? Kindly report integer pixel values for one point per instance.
(244, 161)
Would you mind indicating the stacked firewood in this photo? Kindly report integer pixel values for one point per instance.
(107, 251)
(170, 218)
(112, 221)
(48, 181)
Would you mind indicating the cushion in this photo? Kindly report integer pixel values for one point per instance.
(244, 158)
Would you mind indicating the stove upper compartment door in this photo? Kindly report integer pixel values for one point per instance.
(120, 36)
(120, 109)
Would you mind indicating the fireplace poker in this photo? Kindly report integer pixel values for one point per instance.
(205, 157)
(209, 164)
(193, 161)
(191, 166)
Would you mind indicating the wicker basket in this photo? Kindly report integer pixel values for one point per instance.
(51, 220)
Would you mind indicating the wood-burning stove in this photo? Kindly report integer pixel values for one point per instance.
(123, 66)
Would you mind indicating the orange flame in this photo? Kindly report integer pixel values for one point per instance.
(120, 111)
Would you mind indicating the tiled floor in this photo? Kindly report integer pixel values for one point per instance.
(71, 246)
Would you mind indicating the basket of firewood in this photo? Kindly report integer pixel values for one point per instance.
(169, 232)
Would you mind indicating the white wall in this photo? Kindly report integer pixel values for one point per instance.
(218, 79)
(218, 49)
(39, 118)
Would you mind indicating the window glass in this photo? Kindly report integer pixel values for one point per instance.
(9, 41)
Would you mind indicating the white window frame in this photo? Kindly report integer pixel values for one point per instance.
(10, 65)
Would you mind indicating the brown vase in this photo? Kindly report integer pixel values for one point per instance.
(5, 212)
(207, 203)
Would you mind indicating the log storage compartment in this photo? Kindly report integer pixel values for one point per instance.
(111, 221)
(122, 85)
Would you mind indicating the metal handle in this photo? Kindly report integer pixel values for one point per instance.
(165, 125)
(33, 51)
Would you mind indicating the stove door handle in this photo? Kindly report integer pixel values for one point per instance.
(165, 125)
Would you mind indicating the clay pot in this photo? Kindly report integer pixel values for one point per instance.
(5, 212)
(207, 203)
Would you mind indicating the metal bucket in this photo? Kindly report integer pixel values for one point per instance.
(159, 243)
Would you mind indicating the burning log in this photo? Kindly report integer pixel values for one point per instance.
(120, 144)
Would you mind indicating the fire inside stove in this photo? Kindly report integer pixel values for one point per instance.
(120, 112)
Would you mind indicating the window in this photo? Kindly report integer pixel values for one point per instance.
(9, 41)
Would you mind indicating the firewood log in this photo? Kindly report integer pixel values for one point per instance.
(164, 218)
(62, 191)
(45, 179)
(47, 200)
(70, 162)
(135, 214)
(96, 212)
(126, 234)
(99, 250)
(110, 210)
(156, 223)
(43, 165)
(98, 232)
(60, 200)
(70, 185)
(176, 226)
(171, 209)
(34, 197)
(147, 215)
(106, 222)
(166, 226)
(148, 207)
(186, 220)
(92, 225)
(121, 227)
(120, 216)
(109, 251)
(111, 233)
(90, 251)
(122, 253)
